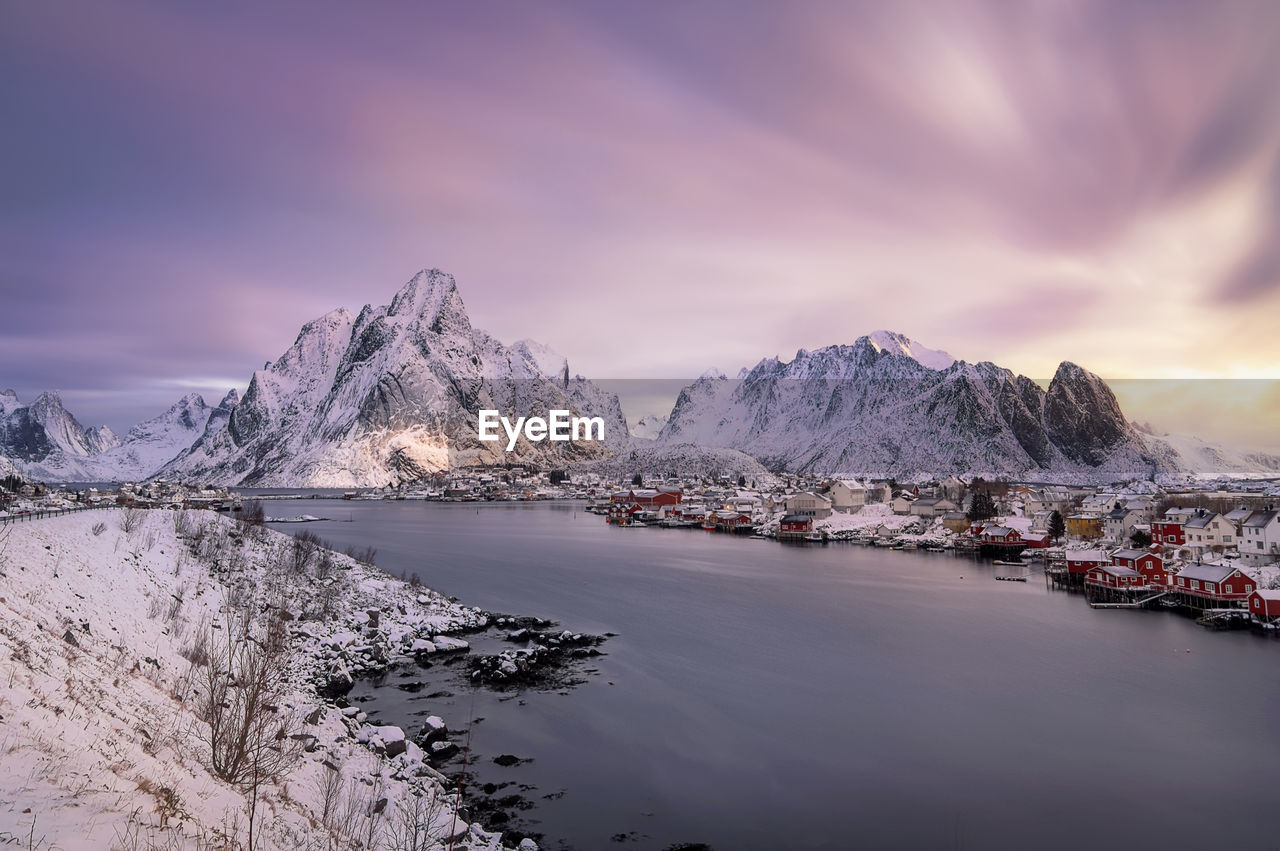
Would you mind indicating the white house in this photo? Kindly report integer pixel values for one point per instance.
(847, 496)
(1119, 522)
(932, 506)
(901, 503)
(1206, 529)
(1260, 537)
(809, 504)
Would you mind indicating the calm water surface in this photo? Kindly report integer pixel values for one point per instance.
(761, 696)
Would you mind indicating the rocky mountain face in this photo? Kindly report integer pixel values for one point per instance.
(390, 396)
(44, 440)
(886, 406)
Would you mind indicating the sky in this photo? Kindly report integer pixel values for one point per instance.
(652, 189)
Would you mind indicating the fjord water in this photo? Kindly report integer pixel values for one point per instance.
(761, 696)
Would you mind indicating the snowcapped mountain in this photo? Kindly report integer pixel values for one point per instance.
(887, 406)
(1193, 456)
(45, 442)
(43, 439)
(392, 395)
(648, 428)
(149, 445)
(890, 341)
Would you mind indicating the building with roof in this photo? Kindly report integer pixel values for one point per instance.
(1210, 586)
(1260, 537)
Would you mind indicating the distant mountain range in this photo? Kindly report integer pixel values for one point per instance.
(391, 395)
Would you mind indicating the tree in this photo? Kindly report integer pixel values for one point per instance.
(742, 481)
(1141, 538)
(558, 476)
(1057, 526)
(637, 480)
(981, 507)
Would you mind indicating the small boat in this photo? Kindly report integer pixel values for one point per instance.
(1011, 578)
(1011, 563)
(813, 537)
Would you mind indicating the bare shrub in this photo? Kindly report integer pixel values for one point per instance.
(240, 690)
(98, 528)
(197, 652)
(365, 556)
(329, 787)
(306, 546)
(252, 514)
(130, 520)
(416, 822)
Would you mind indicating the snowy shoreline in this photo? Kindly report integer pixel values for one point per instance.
(101, 744)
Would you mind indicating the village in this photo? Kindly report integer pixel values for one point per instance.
(1211, 550)
(1213, 553)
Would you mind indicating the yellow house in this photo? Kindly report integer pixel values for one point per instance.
(1084, 526)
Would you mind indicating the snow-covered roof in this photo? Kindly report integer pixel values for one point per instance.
(1130, 554)
(1117, 570)
(1260, 519)
(1207, 572)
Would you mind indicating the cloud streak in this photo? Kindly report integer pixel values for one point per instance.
(1013, 182)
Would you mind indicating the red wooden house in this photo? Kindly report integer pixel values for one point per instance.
(1214, 584)
(1168, 532)
(1080, 562)
(1001, 535)
(1149, 564)
(1114, 576)
(796, 523)
(1265, 606)
(650, 498)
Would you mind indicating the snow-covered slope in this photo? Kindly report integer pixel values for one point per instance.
(655, 462)
(149, 445)
(102, 615)
(900, 344)
(648, 428)
(392, 395)
(1195, 457)
(886, 406)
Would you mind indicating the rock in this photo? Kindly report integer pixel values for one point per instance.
(447, 644)
(507, 760)
(443, 750)
(527, 844)
(421, 645)
(314, 716)
(70, 639)
(393, 739)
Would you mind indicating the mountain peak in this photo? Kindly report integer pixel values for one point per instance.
(548, 362)
(901, 344)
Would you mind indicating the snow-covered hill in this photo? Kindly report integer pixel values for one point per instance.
(655, 462)
(392, 395)
(886, 406)
(103, 617)
(648, 428)
(1192, 456)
